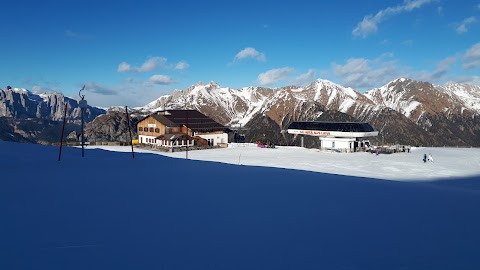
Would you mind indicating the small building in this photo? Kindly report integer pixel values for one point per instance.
(176, 128)
(338, 136)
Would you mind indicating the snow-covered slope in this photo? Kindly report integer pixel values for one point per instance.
(468, 94)
(98, 212)
(414, 99)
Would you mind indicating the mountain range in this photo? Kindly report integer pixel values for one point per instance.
(404, 111)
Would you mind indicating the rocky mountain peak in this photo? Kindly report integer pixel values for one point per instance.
(23, 104)
(322, 83)
(213, 84)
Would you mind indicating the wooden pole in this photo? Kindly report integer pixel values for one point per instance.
(186, 152)
(63, 131)
(83, 137)
(129, 131)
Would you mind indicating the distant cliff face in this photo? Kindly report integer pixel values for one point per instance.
(23, 104)
(112, 126)
(34, 130)
(37, 118)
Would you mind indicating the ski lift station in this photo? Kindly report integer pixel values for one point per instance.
(337, 136)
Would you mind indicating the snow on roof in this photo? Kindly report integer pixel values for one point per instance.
(194, 119)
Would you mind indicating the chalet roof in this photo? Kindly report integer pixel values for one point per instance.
(164, 120)
(333, 126)
(193, 119)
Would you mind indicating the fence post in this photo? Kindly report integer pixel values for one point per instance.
(63, 131)
(130, 131)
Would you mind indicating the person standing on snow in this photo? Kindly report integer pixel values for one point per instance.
(430, 158)
(424, 158)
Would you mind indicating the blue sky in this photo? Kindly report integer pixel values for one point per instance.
(132, 52)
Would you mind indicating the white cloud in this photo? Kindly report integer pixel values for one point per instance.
(161, 79)
(471, 58)
(439, 74)
(124, 67)
(274, 75)
(365, 73)
(444, 66)
(182, 65)
(370, 23)
(304, 79)
(250, 53)
(100, 89)
(151, 64)
(472, 80)
(137, 94)
(462, 27)
(365, 27)
(41, 89)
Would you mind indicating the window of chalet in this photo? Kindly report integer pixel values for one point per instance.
(157, 130)
(140, 128)
(151, 129)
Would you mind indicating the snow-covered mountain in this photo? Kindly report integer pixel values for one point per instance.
(450, 112)
(238, 106)
(416, 99)
(229, 106)
(468, 94)
(403, 109)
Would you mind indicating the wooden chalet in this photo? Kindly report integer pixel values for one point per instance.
(177, 128)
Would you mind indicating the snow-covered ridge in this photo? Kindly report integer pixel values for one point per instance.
(469, 94)
(392, 97)
(239, 106)
(414, 99)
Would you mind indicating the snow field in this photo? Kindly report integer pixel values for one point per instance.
(449, 162)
